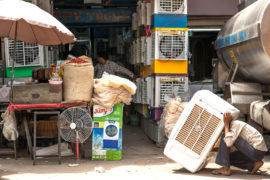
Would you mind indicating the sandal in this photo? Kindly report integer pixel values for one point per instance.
(259, 172)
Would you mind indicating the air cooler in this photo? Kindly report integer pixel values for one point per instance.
(197, 130)
(169, 44)
(169, 6)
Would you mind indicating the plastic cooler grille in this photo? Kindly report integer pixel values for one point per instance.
(170, 86)
(198, 129)
(170, 5)
(170, 44)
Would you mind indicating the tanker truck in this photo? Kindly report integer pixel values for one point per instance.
(243, 69)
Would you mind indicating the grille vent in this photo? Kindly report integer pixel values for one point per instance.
(198, 129)
(171, 5)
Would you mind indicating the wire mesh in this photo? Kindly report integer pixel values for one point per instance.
(25, 55)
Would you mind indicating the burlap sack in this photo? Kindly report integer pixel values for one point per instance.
(78, 82)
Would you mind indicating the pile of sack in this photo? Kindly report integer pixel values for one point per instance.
(171, 113)
(110, 90)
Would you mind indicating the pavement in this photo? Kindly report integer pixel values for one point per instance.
(141, 159)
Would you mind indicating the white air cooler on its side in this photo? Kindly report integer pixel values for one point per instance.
(197, 130)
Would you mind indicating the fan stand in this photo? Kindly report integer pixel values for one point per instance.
(73, 127)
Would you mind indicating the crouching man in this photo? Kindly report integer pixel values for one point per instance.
(248, 142)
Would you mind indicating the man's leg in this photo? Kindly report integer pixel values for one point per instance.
(223, 155)
(251, 158)
(241, 161)
(223, 159)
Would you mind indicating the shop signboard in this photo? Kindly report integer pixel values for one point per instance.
(98, 16)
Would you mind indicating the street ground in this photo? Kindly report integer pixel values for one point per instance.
(141, 160)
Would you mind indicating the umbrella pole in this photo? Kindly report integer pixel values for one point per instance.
(12, 63)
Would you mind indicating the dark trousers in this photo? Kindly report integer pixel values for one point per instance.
(244, 158)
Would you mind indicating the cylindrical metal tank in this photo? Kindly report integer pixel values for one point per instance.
(245, 39)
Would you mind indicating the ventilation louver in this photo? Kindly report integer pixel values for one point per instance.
(170, 6)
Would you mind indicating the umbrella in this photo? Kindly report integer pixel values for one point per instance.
(26, 22)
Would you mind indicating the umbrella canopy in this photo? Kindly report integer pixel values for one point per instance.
(26, 22)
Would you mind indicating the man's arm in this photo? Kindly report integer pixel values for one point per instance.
(231, 130)
(96, 68)
(227, 118)
(119, 69)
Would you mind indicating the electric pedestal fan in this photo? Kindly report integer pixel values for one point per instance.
(75, 126)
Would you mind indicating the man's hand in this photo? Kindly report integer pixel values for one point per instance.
(227, 118)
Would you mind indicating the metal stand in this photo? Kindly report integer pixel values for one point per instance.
(35, 133)
(232, 73)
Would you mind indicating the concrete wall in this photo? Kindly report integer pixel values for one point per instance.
(212, 7)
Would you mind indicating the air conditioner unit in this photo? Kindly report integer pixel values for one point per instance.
(139, 13)
(148, 89)
(148, 13)
(169, 44)
(143, 49)
(26, 54)
(167, 87)
(143, 91)
(134, 51)
(169, 6)
(138, 51)
(138, 92)
(197, 130)
(134, 21)
(148, 51)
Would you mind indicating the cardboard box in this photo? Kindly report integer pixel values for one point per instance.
(107, 132)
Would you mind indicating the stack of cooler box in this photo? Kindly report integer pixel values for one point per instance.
(160, 51)
(169, 61)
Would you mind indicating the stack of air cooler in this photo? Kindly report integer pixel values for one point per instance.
(169, 64)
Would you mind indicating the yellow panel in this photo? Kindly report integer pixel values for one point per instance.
(169, 67)
(158, 29)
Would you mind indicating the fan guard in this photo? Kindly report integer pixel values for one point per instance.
(171, 46)
(75, 120)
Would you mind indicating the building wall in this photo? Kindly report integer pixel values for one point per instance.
(212, 7)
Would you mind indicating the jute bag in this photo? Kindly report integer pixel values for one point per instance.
(78, 82)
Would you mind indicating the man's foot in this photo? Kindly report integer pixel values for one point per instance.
(256, 167)
(222, 171)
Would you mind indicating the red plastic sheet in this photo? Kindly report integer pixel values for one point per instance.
(13, 107)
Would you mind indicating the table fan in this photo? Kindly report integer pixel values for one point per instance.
(75, 126)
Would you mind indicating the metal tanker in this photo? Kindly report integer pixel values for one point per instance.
(245, 39)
